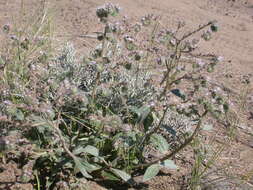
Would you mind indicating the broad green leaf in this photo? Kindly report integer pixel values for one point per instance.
(78, 150)
(90, 167)
(109, 176)
(88, 149)
(123, 175)
(141, 112)
(19, 115)
(151, 172)
(160, 142)
(81, 168)
(91, 150)
(169, 164)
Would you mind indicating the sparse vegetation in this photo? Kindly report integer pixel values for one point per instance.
(138, 99)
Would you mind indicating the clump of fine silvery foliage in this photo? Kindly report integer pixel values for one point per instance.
(137, 97)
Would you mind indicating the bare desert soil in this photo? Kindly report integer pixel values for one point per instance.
(234, 42)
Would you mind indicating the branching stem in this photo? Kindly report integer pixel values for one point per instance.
(171, 154)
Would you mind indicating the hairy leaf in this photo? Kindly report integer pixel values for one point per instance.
(88, 149)
(160, 142)
(109, 176)
(123, 175)
(81, 168)
(151, 172)
(141, 112)
(169, 164)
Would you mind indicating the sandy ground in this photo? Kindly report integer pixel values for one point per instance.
(234, 41)
(235, 17)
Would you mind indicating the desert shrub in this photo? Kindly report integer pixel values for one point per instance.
(133, 103)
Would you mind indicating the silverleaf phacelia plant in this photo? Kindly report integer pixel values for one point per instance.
(137, 100)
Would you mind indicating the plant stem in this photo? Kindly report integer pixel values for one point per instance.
(58, 131)
(171, 154)
(195, 31)
(152, 131)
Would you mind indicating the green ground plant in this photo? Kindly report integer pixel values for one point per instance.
(128, 108)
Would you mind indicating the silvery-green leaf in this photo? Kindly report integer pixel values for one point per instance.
(151, 172)
(160, 142)
(141, 112)
(78, 150)
(19, 115)
(91, 150)
(109, 176)
(123, 175)
(169, 164)
(90, 167)
(81, 168)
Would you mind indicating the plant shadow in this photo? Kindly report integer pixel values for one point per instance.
(114, 185)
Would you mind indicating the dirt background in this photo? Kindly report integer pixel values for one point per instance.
(235, 17)
(234, 42)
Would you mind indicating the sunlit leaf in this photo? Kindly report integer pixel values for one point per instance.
(19, 115)
(90, 167)
(151, 172)
(91, 150)
(160, 142)
(88, 149)
(123, 175)
(169, 164)
(141, 112)
(81, 168)
(109, 176)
